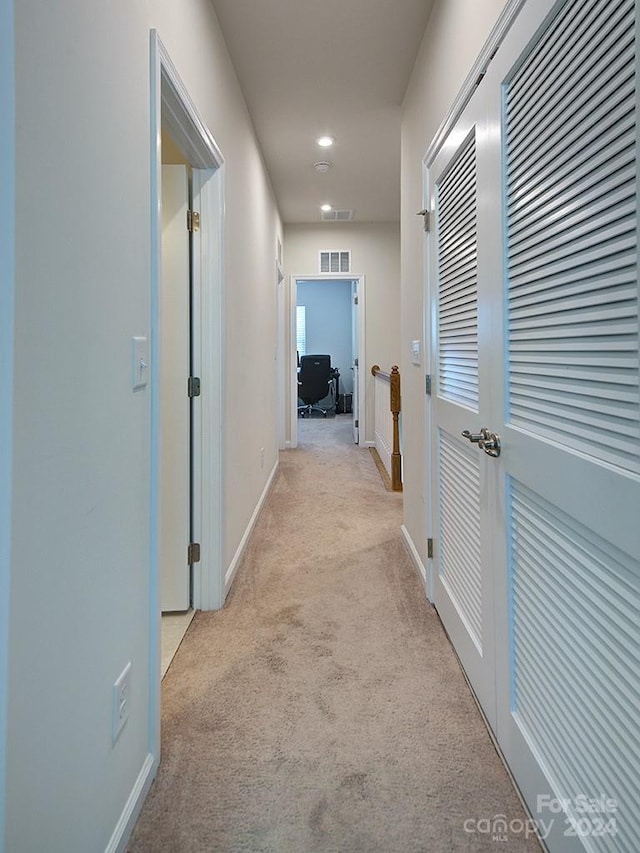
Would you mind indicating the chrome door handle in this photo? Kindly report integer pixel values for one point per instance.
(487, 441)
(476, 438)
(491, 446)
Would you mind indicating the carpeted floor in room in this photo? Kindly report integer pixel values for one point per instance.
(323, 709)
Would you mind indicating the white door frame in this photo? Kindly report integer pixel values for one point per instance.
(281, 356)
(7, 287)
(429, 331)
(171, 101)
(293, 360)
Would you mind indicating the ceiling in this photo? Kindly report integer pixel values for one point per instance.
(335, 67)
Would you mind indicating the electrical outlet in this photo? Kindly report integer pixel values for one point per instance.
(121, 702)
(262, 457)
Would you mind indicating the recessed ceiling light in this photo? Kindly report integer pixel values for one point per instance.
(326, 208)
(325, 141)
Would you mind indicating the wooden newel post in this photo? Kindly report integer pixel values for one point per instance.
(396, 459)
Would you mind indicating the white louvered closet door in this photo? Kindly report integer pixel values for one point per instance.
(462, 580)
(567, 532)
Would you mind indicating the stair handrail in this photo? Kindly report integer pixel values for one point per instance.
(395, 406)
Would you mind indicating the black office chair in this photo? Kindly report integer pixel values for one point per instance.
(313, 383)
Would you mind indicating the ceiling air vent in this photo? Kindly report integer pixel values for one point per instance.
(335, 261)
(338, 215)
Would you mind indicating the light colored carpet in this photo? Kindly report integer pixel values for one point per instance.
(323, 709)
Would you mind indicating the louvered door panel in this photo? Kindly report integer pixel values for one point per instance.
(576, 607)
(461, 523)
(457, 279)
(568, 553)
(571, 235)
(460, 562)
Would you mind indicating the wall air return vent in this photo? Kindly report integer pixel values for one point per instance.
(335, 261)
(338, 215)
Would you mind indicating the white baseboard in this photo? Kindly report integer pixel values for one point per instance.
(233, 568)
(287, 445)
(369, 444)
(415, 557)
(131, 812)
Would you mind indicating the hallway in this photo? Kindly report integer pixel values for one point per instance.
(323, 709)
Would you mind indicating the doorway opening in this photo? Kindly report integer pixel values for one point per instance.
(186, 365)
(327, 318)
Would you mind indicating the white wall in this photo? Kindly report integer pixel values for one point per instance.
(455, 35)
(375, 253)
(328, 324)
(7, 130)
(81, 503)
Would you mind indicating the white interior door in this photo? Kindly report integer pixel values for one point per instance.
(461, 400)
(537, 551)
(175, 478)
(355, 341)
(569, 551)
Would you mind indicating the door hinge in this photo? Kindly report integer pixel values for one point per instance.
(426, 218)
(357, 424)
(427, 385)
(355, 362)
(193, 220)
(193, 386)
(355, 299)
(193, 553)
(430, 548)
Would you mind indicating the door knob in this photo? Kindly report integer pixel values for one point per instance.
(487, 441)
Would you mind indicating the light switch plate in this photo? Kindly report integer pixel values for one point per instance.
(139, 362)
(415, 352)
